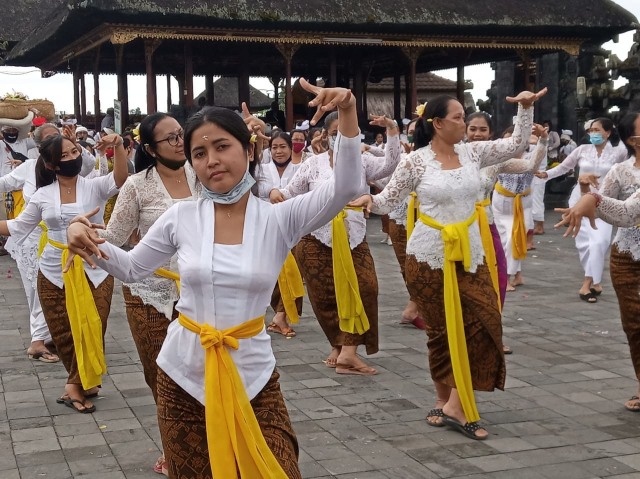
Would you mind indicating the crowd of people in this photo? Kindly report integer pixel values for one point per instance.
(208, 224)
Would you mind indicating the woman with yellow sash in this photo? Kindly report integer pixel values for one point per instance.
(274, 175)
(220, 409)
(341, 280)
(446, 270)
(25, 251)
(512, 201)
(75, 305)
(163, 178)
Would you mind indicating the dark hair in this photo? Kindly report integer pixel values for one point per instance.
(480, 114)
(84, 144)
(312, 132)
(330, 118)
(143, 160)
(436, 108)
(51, 154)
(230, 122)
(284, 135)
(627, 129)
(304, 133)
(607, 125)
(508, 131)
(548, 122)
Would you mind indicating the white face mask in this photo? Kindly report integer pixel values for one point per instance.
(332, 141)
(234, 194)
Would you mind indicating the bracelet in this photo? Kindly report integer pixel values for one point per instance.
(597, 196)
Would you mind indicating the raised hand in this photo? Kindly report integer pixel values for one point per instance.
(527, 98)
(540, 131)
(381, 120)
(108, 141)
(255, 125)
(328, 99)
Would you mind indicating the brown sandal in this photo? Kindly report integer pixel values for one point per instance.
(287, 332)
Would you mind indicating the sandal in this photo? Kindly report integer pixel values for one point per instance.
(595, 292)
(435, 413)
(355, 371)
(507, 349)
(468, 429)
(589, 297)
(160, 467)
(70, 403)
(636, 404)
(287, 332)
(418, 322)
(44, 356)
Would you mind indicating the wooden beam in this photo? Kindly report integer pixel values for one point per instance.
(150, 47)
(123, 87)
(412, 54)
(169, 102)
(288, 51)
(397, 90)
(244, 89)
(188, 75)
(83, 99)
(460, 82)
(96, 90)
(208, 84)
(76, 93)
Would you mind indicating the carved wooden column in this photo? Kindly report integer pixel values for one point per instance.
(123, 88)
(188, 75)
(169, 101)
(208, 84)
(288, 51)
(76, 93)
(150, 47)
(412, 54)
(96, 90)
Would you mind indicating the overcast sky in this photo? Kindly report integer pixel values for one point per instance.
(59, 88)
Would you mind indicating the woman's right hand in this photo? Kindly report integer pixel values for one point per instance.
(328, 99)
(527, 98)
(83, 241)
(276, 196)
(365, 202)
(541, 174)
(589, 179)
(572, 217)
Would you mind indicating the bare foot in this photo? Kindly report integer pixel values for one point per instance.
(458, 416)
(510, 287)
(345, 361)
(39, 352)
(332, 359)
(436, 421)
(517, 280)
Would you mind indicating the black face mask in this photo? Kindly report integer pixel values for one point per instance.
(172, 165)
(281, 165)
(70, 168)
(10, 137)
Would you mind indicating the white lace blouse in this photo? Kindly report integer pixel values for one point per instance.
(449, 196)
(268, 178)
(317, 171)
(622, 182)
(529, 163)
(142, 200)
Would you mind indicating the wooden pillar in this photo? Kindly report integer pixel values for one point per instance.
(169, 101)
(275, 81)
(288, 51)
(460, 82)
(358, 88)
(76, 93)
(150, 47)
(365, 80)
(412, 54)
(208, 84)
(396, 99)
(244, 89)
(333, 69)
(96, 90)
(123, 88)
(181, 90)
(83, 100)
(188, 75)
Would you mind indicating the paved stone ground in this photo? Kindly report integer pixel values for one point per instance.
(561, 414)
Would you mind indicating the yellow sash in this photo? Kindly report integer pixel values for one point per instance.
(457, 248)
(44, 238)
(85, 322)
(487, 244)
(166, 273)
(414, 206)
(235, 441)
(519, 230)
(291, 287)
(18, 205)
(351, 313)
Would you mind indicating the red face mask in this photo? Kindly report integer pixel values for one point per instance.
(298, 146)
(109, 153)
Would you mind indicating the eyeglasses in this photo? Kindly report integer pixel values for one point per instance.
(173, 139)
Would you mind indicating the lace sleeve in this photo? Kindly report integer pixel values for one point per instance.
(376, 169)
(125, 217)
(611, 184)
(15, 179)
(88, 162)
(299, 184)
(519, 166)
(625, 214)
(403, 182)
(498, 151)
(567, 165)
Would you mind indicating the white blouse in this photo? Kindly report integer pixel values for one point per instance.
(141, 201)
(226, 285)
(622, 182)
(268, 178)
(529, 163)
(449, 196)
(45, 206)
(317, 170)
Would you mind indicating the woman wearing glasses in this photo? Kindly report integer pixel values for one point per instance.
(163, 178)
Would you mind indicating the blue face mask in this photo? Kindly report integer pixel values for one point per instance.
(596, 138)
(234, 194)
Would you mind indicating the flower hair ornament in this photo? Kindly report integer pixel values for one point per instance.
(254, 138)
(420, 109)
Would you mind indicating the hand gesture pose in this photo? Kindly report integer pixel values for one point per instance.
(383, 121)
(276, 196)
(589, 179)
(364, 202)
(572, 217)
(540, 131)
(328, 99)
(83, 239)
(255, 125)
(527, 98)
(110, 141)
(69, 131)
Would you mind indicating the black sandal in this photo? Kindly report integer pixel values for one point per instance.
(435, 413)
(595, 292)
(469, 429)
(589, 298)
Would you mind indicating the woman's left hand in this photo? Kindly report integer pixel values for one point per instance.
(364, 202)
(255, 125)
(109, 141)
(540, 131)
(328, 99)
(527, 98)
(382, 120)
(572, 217)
